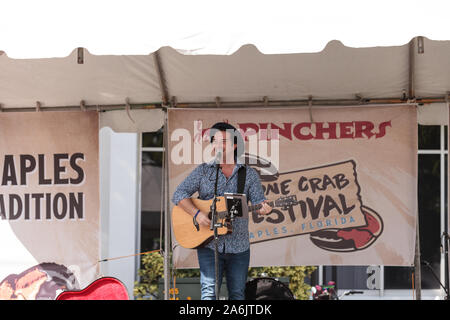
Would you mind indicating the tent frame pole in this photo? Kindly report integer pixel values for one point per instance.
(236, 104)
(167, 246)
(411, 69)
(411, 97)
(161, 78)
(167, 236)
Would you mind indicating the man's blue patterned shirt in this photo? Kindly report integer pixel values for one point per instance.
(202, 180)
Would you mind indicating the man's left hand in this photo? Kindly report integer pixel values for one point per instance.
(266, 209)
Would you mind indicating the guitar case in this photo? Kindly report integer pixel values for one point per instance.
(267, 289)
(106, 288)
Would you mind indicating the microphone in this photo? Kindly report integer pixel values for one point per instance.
(218, 157)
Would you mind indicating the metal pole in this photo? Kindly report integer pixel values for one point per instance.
(161, 78)
(167, 247)
(444, 212)
(236, 104)
(417, 271)
(411, 96)
(139, 205)
(412, 73)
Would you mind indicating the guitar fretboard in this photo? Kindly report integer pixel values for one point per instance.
(259, 206)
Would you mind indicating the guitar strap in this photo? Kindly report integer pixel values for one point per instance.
(241, 179)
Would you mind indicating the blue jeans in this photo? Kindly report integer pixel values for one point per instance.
(235, 266)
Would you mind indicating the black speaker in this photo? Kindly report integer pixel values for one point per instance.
(267, 289)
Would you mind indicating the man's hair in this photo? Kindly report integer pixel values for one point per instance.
(235, 134)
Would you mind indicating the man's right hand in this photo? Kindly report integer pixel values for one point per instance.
(188, 206)
(203, 220)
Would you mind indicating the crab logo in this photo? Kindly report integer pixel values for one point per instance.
(350, 239)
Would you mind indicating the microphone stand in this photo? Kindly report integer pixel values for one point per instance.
(446, 237)
(437, 279)
(214, 226)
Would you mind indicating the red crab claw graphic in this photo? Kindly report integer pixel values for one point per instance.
(350, 239)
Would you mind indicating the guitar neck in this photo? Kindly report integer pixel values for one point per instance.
(259, 206)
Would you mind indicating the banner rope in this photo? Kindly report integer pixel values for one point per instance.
(130, 255)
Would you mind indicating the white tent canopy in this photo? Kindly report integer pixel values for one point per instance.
(336, 74)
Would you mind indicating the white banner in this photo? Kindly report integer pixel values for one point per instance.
(49, 203)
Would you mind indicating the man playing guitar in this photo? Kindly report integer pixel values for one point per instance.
(234, 248)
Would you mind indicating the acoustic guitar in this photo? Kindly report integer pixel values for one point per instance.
(186, 232)
(106, 288)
